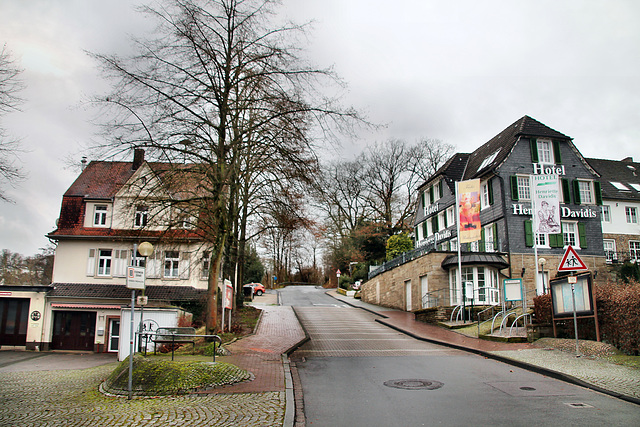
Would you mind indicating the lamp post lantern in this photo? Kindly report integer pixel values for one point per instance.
(542, 262)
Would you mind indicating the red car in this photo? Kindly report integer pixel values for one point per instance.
(258, 288)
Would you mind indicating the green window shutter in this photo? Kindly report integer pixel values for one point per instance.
(440, 188)
(435, 223)
(495, 237)
(555, 240)
(431, 194)
(576, 192)
(583, 235)
(566, 191)
(514, 188)
(528, 233)
(424, 200)
(424, 230)
(597, 188)
(416, 234)
(445, 220)
(490, 189)
(482, 246)
(534, 150)
(556, 152)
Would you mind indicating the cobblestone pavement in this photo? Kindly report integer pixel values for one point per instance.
(600, 373)
(61, 397)
(71, 398)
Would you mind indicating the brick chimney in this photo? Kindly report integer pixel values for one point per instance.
(138, 158)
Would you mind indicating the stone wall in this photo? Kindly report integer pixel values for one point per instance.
(388, 289)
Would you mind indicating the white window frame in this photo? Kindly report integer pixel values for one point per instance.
(545, 151)
(100, 215)
(570, 234)
(104, 262)
(609, 246)
(141, 217)
(586, 192)
(489, 244)
(634, 249)
(631, 213)
(441, 221)
(484, 195)
(451, 215)
(524, 188)
(171, 264)
(606, 213)
(205, 263)
(541, 240)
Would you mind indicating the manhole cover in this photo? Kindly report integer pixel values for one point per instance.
(414, 384)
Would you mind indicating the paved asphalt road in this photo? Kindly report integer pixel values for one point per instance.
(356, 372)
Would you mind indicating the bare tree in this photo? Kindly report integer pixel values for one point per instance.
(433, 154)
(218, 84)
(10, 85)
(389, 181)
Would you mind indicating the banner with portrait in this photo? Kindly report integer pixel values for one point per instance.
(469, 210)
(545, 197)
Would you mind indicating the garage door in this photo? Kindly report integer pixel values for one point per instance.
(14, 314)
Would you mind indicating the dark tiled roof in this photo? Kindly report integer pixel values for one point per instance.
(503, 143)
(75, 230)
(453, 170)
(102, 291)
(623, 171)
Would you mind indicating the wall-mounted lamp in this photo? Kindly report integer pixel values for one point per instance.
(522, 272)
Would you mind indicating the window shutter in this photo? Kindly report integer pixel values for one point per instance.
(583, 235)
(415, 234)
(431, 194)
(91, 263)
(120, 262)
(597, 188)
(576, 192)
(490, 190)
(440, 188)
(424, 230)
(534, 150)
(555, 240)
(435, 224)
(444, 220)
(154, 265)
(566, 191)
(528, 233)
(495, 237)
(424, 200)
(514, 188)
(482, 241)
(556, 152)
(183, 266)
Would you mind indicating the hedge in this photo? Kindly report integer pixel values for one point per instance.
(618, 316)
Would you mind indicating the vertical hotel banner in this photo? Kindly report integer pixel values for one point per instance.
(545, 196)
(469, 210)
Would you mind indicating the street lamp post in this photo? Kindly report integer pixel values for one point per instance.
(145, 250)
(542, 261)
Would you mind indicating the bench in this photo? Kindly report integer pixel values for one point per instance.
(178, 335)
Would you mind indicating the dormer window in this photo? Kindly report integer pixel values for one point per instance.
(487, 161)
(100, 216)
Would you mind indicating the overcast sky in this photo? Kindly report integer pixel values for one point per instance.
(459, 71)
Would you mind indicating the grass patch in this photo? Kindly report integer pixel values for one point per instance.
(157, 377)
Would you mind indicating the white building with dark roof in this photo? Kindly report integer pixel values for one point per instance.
(620, 182)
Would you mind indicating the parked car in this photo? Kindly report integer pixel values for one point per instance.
(258, 288)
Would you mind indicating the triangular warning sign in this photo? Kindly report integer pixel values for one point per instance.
(571, 261)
